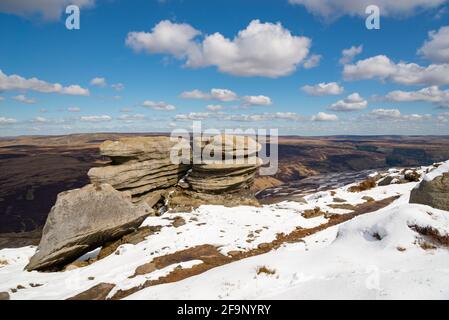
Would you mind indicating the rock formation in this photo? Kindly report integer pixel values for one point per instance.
(223, 176)
(140, 166)
(83, 219)
(433, 190)
(141, 176)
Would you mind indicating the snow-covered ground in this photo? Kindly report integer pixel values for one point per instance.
(374, 256)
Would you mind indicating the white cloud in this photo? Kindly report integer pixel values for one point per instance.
(73, 109)
(2, 98)
(102, 118)
(431, 94)
(347, 55)
(382, 68)
(195, 94)
(394, 114)
(312, 61)
(98, 82)
(16, 82)
(165, 37)
(161, 106)
(131, 117)
(436, 48)
(4, 120)
(40, 120)
(257, 100)
(322, 116)
(24, 99)
(223, 95)
(49, 10)
(321, 89)
(192, 116)
(262, 49)
(214, 107)
(353, 102)
(118, 86)
(333, 9)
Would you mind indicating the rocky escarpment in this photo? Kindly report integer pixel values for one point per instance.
(139, 179)
(83, 219)
(140, 166)
(434, 189)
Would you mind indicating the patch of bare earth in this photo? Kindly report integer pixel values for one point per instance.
(212, 258)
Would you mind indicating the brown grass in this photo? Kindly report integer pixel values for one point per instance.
(265, 270)
(313, 213)
(363, 186)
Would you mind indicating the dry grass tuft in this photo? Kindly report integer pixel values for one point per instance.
(363, 186)
(265, 270)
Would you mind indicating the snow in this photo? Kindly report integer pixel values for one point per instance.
(443, 168)
(373, 256)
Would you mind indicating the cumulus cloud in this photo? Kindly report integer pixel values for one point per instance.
(160, 106)
(323, 88)
(131, 117)
(257, 100)
(333, 9)
(214, 107)
(40, 120)
(16, 82)
(166, 37)
(262, 49)
(98, 82)
(4, 120)
(347, 55)
(22, 98)
(322, 116)
(312, 61)
(353, 102)
(49, 10)
(102, 118)
(223, 95)
(73, 109)
(193, 116)
(394, 114)
(436, 48)
(431, 94)
(382, 68)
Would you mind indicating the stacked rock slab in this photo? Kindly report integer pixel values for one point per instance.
(140, 166)
(224, 174)
(228, 164)
(83, 219)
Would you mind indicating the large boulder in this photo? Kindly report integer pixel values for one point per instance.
(434, 189)
(82, 220)
(433, 193)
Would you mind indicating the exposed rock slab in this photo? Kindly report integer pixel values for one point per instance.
(83, 219)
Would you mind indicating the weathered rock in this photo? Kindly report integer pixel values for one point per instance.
(137, 148)
(98, 292)
(82, 220)
(141, 166)
(231, 167)
(434, 193)
(4, 296)
(187, 200)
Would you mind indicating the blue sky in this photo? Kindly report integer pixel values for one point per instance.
(253, 64)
